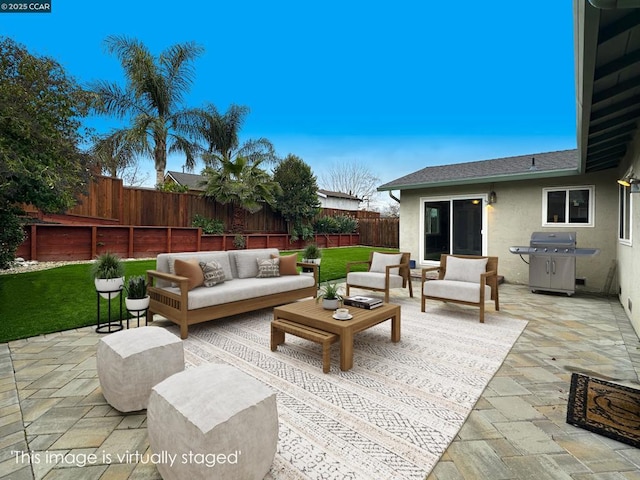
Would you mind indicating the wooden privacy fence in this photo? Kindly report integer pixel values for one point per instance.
(108, 201)
(142, 222)
(111, 202)
(48, 242)
(380, 232)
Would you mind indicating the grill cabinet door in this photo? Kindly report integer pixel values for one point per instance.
(563, 274)
(539, 272)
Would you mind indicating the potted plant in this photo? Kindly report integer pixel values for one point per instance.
(137, 298)
(330, 296)
(311, 254)
(108, 273)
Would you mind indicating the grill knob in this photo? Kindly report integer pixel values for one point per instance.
(546, 250)
(566, 250)
(555, 250)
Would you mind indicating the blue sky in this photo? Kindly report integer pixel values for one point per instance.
(397, 86)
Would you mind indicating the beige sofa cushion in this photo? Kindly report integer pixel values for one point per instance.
(244, 289)
(246, 261)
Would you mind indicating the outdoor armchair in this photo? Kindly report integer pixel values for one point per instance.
(464, 279)
(384, 271)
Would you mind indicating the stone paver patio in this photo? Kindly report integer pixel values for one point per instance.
(53, 417)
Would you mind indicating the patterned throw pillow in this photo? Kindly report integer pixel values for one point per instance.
(269, 268)
(213, 273)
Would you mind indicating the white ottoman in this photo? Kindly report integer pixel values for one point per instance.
(214, 421)
(131, 362)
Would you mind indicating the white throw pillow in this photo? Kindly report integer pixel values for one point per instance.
(380, 261)
(465, 269)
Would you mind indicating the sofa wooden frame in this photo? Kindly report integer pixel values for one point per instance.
(174, 306)
(490, 277)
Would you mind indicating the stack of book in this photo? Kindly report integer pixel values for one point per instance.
(363, 302)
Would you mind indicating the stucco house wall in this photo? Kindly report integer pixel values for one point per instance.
(628, 253)
(517, 213)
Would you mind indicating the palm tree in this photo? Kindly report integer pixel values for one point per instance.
(221, 133)
(151, 100)
(234, 171)
(242, 183)
(113, 152)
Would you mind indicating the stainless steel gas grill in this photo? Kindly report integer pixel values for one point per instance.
(552, 260)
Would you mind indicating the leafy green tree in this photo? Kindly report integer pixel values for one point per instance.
(298, 202)
(40, 118)
(152, 99)
(242, 183)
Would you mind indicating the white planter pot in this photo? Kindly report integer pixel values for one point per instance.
(330, 304)
(311, 260)
(106, 285)
(137, 304)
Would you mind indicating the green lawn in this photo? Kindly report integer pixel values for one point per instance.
(63, 298)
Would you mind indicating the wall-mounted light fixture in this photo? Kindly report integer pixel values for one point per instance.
(493, 198)
(629, 179)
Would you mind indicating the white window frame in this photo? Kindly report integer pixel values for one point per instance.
(592, 206)
(625, 207)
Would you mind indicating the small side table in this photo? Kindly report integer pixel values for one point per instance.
(111, 325)
(137, 315)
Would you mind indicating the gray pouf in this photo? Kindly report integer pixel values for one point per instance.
(132, 362)
(213, 421)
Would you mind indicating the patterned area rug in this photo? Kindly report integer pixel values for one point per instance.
(605, 408)
(392, 415)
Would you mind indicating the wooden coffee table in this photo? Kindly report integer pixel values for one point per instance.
(311, 314)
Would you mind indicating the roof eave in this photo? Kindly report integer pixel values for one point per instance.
(489, 179)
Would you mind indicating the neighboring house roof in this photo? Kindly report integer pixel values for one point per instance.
(327, 193)
(190, 180)
(536, 165)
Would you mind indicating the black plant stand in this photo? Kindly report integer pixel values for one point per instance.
(137, 315)
(111, 325)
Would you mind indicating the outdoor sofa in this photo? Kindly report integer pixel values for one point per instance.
(251, 282)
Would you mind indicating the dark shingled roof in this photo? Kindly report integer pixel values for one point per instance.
(548, 164)
(190, 180)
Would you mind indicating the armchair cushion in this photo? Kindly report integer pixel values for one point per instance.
(373, 280)
(465, 269)
(379, 262)
(456, 290)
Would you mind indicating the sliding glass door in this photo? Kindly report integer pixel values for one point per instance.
(452, 226)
